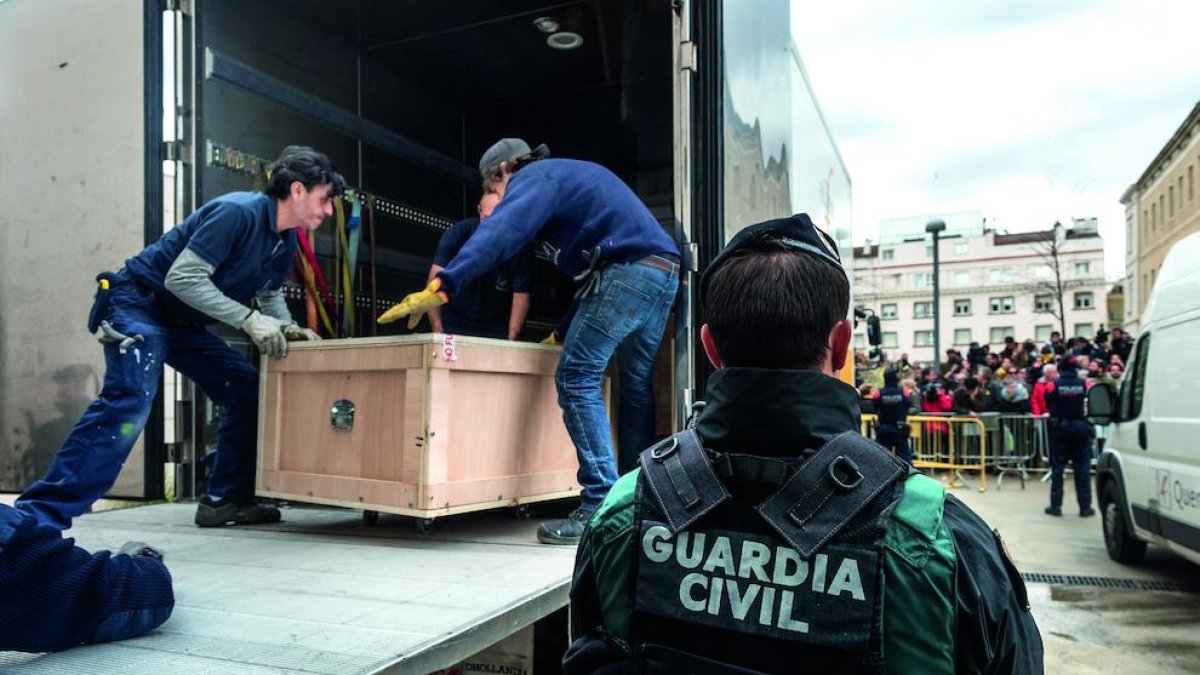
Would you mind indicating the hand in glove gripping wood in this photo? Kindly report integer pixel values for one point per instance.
(266, 332)
(414, 305)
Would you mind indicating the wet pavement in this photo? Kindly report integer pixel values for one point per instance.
(1090, 629)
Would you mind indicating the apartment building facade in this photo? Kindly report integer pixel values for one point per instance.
(993, 285)
(1160, 209)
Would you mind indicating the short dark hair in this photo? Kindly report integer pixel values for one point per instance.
(769, 307)
(301, 163)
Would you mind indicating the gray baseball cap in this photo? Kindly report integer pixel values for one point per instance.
(506, 150)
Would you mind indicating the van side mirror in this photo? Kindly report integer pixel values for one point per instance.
(874, 334)
(1100, 400)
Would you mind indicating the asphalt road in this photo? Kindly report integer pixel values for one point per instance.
(1087, 628)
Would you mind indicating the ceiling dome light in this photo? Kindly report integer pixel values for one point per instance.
(545, 24)
(565, 40)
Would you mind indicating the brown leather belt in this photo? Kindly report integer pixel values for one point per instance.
(665, 263)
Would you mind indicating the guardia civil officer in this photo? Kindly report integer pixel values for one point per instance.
(771, 537)
(233, 250)
(893, 403)
(1070, 438)
(55, 595)
(591, 226)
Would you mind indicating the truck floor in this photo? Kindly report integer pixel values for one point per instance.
(322, 593)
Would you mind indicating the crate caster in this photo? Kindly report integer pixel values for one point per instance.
(370, 518)
(520, 512)
(424, 525)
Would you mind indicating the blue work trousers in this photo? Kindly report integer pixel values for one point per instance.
(624, 316)
(1071, 443)
(895, 439)
(87, 465)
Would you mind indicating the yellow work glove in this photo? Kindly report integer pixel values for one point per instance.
(414, 305)
(551, 339)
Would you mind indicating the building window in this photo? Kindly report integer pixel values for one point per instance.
(922, 310)
(1042, 333)
(1171, 201)
(1191, 184)
(1162, 210)
(1042, 271)
(887, 311)
(1002, 275)
(928, 251)
(1084, 330)
(1043, 303)
(962, 307)
(1083, 300)
(860, 341)
(960, 248)
(998, 333)
(1153, 216)
(891, 281)
(890, 340)
(923, 338)
(962, 278)
(1180, 192)
(1082, 269)
(1003, 305)
(962, 336)
(889, 254)
(924, 280)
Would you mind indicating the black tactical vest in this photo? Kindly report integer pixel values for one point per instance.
(748, 564)
(892, 406)
(1066, 400)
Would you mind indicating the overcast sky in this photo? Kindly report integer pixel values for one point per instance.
(1030, 111)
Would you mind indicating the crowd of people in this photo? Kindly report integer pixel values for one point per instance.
(1010, 378)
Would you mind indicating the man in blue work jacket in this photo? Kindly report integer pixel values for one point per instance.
(55, 595)
(233, 250)
(494, 305)
(591, 226)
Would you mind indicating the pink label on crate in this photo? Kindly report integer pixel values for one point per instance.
(448, 350)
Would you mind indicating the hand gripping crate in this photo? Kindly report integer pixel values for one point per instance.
(417, 425)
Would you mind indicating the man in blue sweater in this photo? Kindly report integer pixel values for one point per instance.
(591, 226)
(55, 595)
(233, 250)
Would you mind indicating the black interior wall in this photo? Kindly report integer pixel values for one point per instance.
(453, 77)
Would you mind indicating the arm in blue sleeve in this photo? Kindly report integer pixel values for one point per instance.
(528, 204)
(55, 595)
(522, 271)
(450, 242)
(222, 230)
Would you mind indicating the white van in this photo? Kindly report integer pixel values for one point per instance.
(1148, 478)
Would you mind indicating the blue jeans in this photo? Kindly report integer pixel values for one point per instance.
(625, 316)
(88, 463)
(1071, 443)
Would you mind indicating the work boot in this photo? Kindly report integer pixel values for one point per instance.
(1054, 511)
(1087, 513)
(566, 531)
(211, 513)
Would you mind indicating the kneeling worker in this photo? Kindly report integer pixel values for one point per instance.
(771, 537)
(55, 595)
(494, 305)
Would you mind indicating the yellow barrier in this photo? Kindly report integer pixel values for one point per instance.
(953, 443)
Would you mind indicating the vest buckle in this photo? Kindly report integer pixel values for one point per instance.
(846, 466)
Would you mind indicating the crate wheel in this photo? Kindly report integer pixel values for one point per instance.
(424, 525)
(520, 512)
(370, 518)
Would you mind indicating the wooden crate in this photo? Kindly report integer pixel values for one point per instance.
(430, 436)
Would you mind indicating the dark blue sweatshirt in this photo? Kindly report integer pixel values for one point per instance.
(569, 207)
(55, 595)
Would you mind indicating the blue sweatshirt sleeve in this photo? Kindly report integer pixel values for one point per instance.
(55, 595)
(529, 203)
(222, 229)
(451, 241)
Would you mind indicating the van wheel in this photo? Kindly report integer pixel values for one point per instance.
(1118, 539)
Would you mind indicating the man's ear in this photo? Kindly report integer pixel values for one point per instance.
(297, 190)
(839, 344)
(710, 347)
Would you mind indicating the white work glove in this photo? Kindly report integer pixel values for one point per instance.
(295, 333)
(266, 332)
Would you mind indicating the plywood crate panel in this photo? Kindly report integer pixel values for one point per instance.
(430, 437)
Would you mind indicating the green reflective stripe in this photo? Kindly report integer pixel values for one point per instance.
(612, 529)
(919, 565)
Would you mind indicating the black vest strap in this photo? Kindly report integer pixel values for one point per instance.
(682, 479)
(828, 490)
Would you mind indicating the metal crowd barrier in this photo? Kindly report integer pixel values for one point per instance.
(955, 444)
(1017, 442)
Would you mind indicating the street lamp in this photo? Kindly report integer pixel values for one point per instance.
(936, 227)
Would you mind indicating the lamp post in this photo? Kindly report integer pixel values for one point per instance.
(936, 227)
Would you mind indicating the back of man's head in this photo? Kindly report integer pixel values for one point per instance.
(774, 294)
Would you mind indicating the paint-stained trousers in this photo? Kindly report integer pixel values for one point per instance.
(90, 459)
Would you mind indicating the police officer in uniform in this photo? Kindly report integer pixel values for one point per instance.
(770, 536)
(1070, 438)
(892, 406)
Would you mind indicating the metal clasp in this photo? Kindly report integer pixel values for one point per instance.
(341, 415)
(850, 468)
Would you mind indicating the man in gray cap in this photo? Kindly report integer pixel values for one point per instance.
(591, 226)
